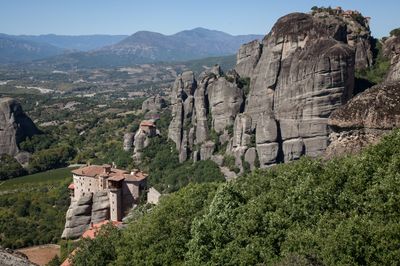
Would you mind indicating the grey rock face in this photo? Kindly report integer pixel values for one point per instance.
(251, 157)
(391, 49)
(364, 119)
(154, 104)
(128, 141)
(225, 100)
(247, 58)
(15, 126)
(206, 150)
(182, 107)
(92, 208)
(299, 74)
(303, 74)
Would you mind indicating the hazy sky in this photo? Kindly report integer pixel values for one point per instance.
(76, 17)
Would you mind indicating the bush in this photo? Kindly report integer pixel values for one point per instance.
(51, 159)
(395, 32)
(9, 167)
(309, 212)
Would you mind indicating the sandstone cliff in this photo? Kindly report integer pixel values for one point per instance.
(364, 119)
(300, 72)
(15, 126)
(92, 208)
(391, 49)
(370, 114)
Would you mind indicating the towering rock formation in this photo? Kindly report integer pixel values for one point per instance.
(199, 107)
(301, 71)
(15, 126)
(304, 72)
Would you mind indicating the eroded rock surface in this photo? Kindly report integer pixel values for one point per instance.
(154, 104)
(9, 257)
(92, 208)
(364, 119)
(299, 74)
(15, 126)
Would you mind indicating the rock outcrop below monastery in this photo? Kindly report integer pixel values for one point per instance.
(15, 126)
(91, 208)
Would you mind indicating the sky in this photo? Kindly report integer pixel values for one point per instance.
(79, 17)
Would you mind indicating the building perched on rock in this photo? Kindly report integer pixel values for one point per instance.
(101, 193)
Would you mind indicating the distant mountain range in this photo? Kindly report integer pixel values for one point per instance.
(77, 43)
(13, 49)
(119, 50)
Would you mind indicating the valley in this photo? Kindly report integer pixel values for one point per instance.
(157, 149)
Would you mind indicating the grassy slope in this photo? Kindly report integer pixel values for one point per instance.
(53, 176)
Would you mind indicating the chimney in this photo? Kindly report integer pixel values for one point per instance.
(107, 168)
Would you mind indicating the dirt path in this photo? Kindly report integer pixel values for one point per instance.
(41, 255)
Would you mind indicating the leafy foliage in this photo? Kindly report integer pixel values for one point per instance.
(101, 250)
(377, 72)
(9, 167)
(309, 212)
(395, 32)
(160, 159)
(26, 211)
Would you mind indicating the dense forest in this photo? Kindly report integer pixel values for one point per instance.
(310, 212)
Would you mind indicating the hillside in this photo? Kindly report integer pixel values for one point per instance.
(151, 47)
(14, 50)
(341, 212)
(78, 42)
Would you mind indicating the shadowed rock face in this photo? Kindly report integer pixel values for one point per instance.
(364, 119)
(391, 49)
(300, 72)
(15, 126)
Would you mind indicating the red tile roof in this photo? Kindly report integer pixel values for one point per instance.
(114, 174)
(95, 228)
(147, 124)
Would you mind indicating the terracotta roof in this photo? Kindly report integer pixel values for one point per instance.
(114, 174)
(71, 186)
(147, 124)
(136, 176)
(95, 228)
